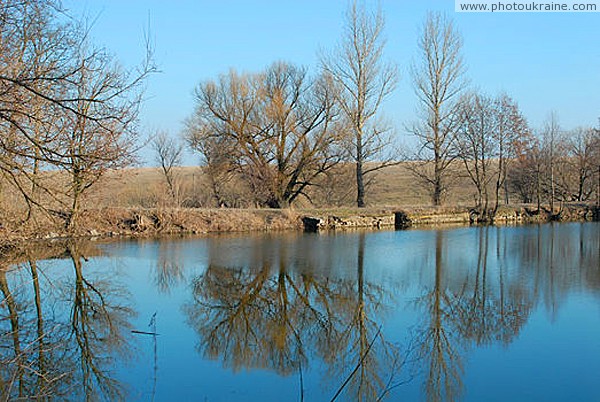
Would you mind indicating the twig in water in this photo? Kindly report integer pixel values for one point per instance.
(362, 359)
(143, 332)
(301, 383)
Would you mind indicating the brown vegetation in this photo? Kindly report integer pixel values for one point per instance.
(136, 202)
(277, 138)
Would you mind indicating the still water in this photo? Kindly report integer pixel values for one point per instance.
(494, 314)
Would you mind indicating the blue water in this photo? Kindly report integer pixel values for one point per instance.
(494, 314)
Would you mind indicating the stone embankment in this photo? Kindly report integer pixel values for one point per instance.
(414, 217)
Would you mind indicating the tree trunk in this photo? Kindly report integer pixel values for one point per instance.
(73, 216)
(552, 184)
(360, 185)
(437, 185)
(538, 189)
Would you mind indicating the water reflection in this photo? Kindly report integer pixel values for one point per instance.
(59, 337)
(360, 316)
(278, 312)
(439, 338)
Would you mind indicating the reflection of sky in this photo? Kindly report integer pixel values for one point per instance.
(553, 268)
(554, 359)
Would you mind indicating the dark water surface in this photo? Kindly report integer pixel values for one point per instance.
(476, 314)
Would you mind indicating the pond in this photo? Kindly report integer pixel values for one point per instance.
(487, 313)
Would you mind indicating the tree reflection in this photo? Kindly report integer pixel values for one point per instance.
(257, 319)
(15, 376)
(362, 344)
(99, 322)
(487, 312)
(169, 270)
(268, 316)
(439, 341)
(280, 305)
(294, 305)
(62, 334)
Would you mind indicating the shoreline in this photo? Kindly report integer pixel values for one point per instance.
(107, 223)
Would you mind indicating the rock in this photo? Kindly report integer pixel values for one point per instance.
(311, 224)
(401, 220)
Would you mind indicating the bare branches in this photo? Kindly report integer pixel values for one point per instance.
(438, 79)
(168, 153)
(64, 103)
(277, 129)
(476, 146)
(363, 80)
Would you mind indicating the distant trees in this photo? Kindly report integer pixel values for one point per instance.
(363, 80)
(168, 154)
(64, 105)
(489, 133)
(556, 166)
(278, 129)
(525, 176)
(476, 146)
(439, 79)
(511, 132)
(276, 133)
(577, 168)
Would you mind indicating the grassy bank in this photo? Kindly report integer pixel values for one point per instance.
(150, 222)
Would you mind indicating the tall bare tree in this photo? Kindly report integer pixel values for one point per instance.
(550, 133)
(35, 64)
(439, 79)
(363, 80)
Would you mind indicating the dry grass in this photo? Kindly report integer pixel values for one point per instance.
(135, 202)
(392, 187)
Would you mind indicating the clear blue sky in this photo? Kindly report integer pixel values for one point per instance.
(546, 61)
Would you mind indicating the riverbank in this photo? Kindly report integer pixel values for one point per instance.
(149, 222)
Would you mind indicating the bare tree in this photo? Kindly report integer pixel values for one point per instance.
(279, 129)
(438, 80)
(512, 129)
(526, 175)
(168, 153)
(490, 132)
(218, 157)
(550, 133)
(101, 132)
(576, 170)
(63, 104)
(363, 80)
(477, 148)
(35, 64)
